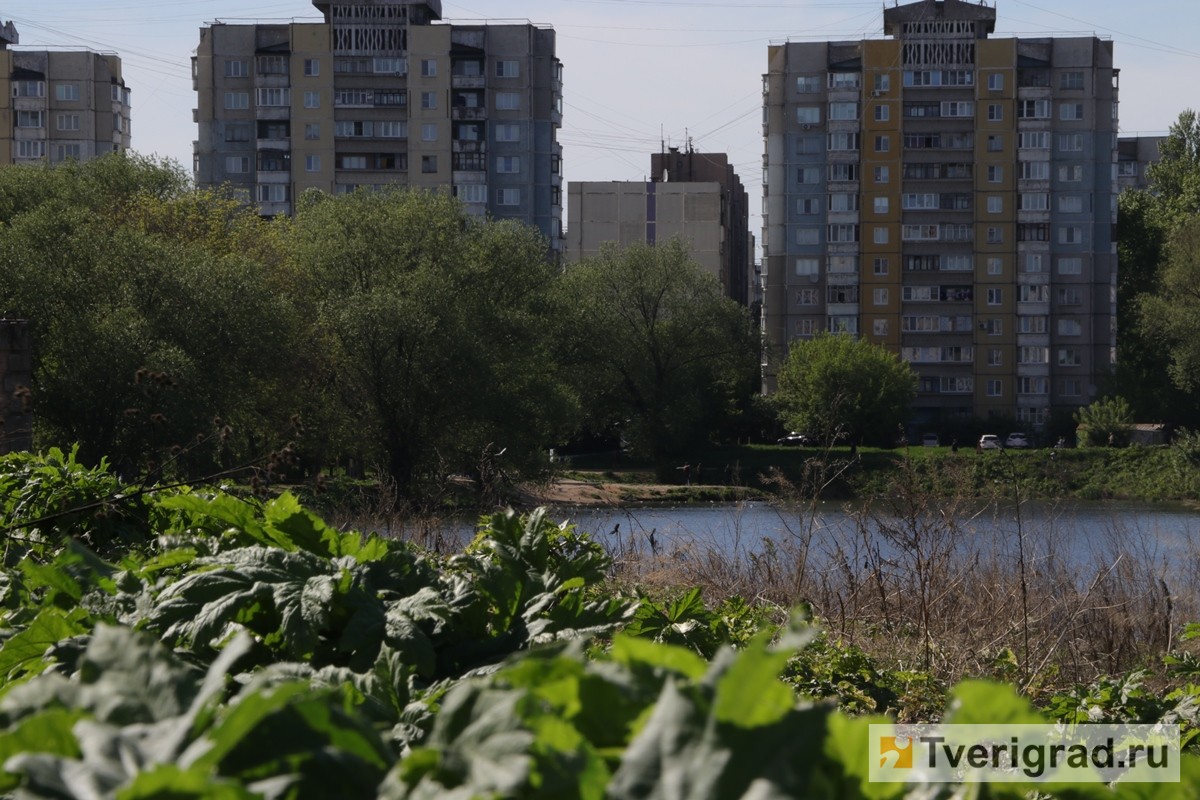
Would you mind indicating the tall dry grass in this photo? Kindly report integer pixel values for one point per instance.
(920, 581)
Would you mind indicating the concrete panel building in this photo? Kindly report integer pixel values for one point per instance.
(696, 197)
(379, 94)
(951, 196)
(60, 105)
(1135, 154)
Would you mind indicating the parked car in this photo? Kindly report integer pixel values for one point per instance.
(989, 441)
(1016, 440)
(795, 439)
(930, 440)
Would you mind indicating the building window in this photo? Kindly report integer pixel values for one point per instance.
(272, 65)
(1070, 234)
(508, 197)
(995, 387)
(508, 101)
(312, 163)
(312, 67)
(274, 97)
(995, 143)
(237, 101)
(808, 115)
(883, 82)
(429, 164)
(843, 233)
(1068, 296)
(236, 68)
(882, 112)
(843, 172)
(995, 265)
(31, 148)
(880, 327)
(1032, 324)
(808, 175)
(68, 122)
(312, 99)
(883, 144)
(880, 266)
(808, 206)
(429, 132)
(428, 67)
(1070, 173)
(1070, 204)
(879, 297)
(1070, 80)
(1035, 170)
(393, 129)
(237, 164)
(66, 92)
(995, 204)
(881, 174)
(995, 112)
(471, 192)
(995, 235)
(1069, 357)
(508, 69)
(1034, 293)
(508, 132)
(273, 193)
(807, 267)
(68, 152)
(1070, 111)
(806, 84)
(995, 81)
(995, 296)
(312, 131)
(1069, 327)
(995, 174)
(807, 297)
(1070, 142)
(1070, 387)
(880, 205)
(995, 357)
(808, 235)
(428, 100)
(843, 111)
(1033, 140)
(880, 234)
(508, 164)
(389, 66)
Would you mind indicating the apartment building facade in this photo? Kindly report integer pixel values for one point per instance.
(696, 197)
(952, 197)
(381, 94)
(60, 105)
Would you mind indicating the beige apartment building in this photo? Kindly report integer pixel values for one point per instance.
(695, 197)
(951, 196)
(60, 105)
(381, 94)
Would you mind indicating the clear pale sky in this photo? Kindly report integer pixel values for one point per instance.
(636, 72)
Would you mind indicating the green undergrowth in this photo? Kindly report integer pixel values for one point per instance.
(192, 643)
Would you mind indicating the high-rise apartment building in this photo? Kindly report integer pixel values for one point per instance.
(60, 105)
(951, 196)
(378, 94)
(696, 197)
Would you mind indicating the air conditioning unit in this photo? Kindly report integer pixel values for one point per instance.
(806, 126)
(877, 93)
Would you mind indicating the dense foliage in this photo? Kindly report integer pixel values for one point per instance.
(653, 348)
(835, 385)
(197, 644)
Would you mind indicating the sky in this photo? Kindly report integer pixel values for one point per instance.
(638, 74)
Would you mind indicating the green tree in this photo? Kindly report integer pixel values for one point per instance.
(144, 334)
(1152, 296)
(1106, 421)
(834, 384)
(433, 331)
(654, 349)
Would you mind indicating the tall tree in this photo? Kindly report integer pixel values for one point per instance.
(1155, 310)
(834, 384)
(142, 336)
(654, 348)
(434, 328)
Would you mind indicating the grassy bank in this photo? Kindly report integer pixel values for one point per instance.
(1153, 474)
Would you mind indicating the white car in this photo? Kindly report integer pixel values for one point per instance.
(989, 441)
(1016, 440)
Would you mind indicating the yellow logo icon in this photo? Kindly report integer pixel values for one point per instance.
(895, 752)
